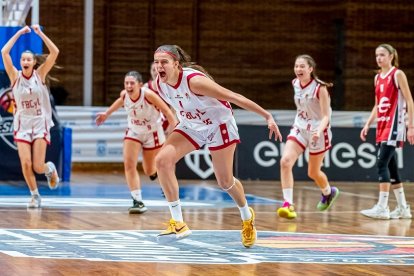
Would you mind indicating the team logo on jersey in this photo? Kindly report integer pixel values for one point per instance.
(383, 105)
(207, 247)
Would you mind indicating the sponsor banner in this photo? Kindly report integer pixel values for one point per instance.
(105, 143)
(258, 158)
(90, 142)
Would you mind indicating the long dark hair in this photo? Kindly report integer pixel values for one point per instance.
(311, 62)
(182, 57)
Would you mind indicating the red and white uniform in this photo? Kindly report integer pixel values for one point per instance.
(203, 120)
(149, 85)
(33, 113)
(391, 108)
(144, 122)
(308, 118)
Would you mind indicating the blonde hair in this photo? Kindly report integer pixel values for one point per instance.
(392, 51)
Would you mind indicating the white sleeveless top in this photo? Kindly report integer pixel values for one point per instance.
(197, 112)
(32, 98)
(142, 115)
(309, 113)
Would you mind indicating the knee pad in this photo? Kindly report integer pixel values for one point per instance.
(383, 173)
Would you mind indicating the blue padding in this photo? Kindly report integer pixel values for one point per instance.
(30, 41)
(66, 153)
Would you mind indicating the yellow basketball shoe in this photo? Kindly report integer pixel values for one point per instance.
(249, 233)
(287, 211)
(175, 231)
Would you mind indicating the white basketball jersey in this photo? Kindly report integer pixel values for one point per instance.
(142, 115)
(309, 114)
(197, 112)
(32, 98)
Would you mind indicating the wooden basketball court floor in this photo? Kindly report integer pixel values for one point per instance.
(84, 229)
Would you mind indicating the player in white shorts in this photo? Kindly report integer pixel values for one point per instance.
(33, 112)
(144, 132)
(206, 118)
(311, 129)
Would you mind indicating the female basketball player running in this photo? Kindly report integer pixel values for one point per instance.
(311, 129)
(33, 114)
(392, 97)
(206, 118)
(144, 132)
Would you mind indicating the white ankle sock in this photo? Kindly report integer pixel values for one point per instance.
(288, 195)
(245, 212)
(49, 169)
(327, 190)
(137, 195)
(383, 199)
(34, 192)
(400, 196)
(175, 210)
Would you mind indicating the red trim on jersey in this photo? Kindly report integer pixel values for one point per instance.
(47, 141)
(15, 82)
(306, 85)
(224, 133)
(319, 152)
(133, 139)
(153, 148)
(225, 145)
(150, 86)
(388, 110)
(44, 138)
(180, 78)
(139, 96)
(226, 104)
(188, 81)
(28, 78)
(156, 140)
(294, 139)
(18, 125)
(188, 138)
(148, 101)
(158, 84)
(165, 124)
(22, 141)
(318, 88)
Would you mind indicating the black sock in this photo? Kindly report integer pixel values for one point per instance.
(153, 176)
